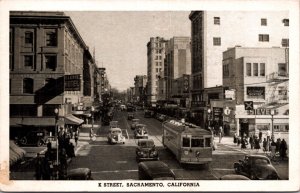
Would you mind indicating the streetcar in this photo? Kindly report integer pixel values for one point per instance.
(189, 143)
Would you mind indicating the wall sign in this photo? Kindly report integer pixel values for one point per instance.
(72, 82)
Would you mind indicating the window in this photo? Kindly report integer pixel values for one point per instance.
(185, 142)
(217, 20)
(207, 142)
(50, 62)
(28, 61)
(28, 38)
(226, 70)
(286, 22)
(28, 85)
(248, 69)
(282, 71)
(217, 41)
(197, 142)
(263, 21)
(255, 69)
(263, 37)
(285, 42)
(23, 110)
(262, 69)
(51, 39)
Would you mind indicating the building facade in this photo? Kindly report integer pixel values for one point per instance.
(47, 59)
(140, 82)
(155, 64)
(215, 31)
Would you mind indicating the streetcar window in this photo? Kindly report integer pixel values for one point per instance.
(207, 142)
(197, 142)
(185, 142)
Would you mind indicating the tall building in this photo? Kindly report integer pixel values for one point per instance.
(155, 64)
(140, 82)
(177, 63)
(215, 31)
(49, 62)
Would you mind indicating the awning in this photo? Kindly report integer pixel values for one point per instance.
(72, 120)
(15, 153)
(32, 121)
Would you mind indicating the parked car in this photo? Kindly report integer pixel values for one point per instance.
(148, 113)
(80, 174)
(234, 177)
(37, 138)
(115, 136)
(134, 123)
(146, 150)
(155, 170)
(256, 167)
(140, 132)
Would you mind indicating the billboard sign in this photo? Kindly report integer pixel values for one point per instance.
(72, 82)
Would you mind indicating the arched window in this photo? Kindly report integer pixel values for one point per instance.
(28, 85)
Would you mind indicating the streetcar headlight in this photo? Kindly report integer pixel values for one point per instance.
(186, 152)
(153, 153)
(197, 153)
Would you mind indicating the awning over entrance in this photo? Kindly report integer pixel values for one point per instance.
(15, 153)
(32, 121)
(72, 120)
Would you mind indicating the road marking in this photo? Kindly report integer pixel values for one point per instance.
(115, 171)
(121, 162)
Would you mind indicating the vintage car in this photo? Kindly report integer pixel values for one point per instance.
(134, 123)
(80, 174)
(33, 137)
(140, 132)
(115, 136)
(146, 150)
(256, 167)
(123, 107)
(155, 170)
(114, 124)
(148, 113)
(234, 177)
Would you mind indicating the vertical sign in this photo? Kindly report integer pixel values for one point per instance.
(186, 83)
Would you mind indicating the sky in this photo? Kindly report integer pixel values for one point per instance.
(120, 38)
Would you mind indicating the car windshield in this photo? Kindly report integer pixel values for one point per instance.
(260, 161)
(115, 131)
(146, 143)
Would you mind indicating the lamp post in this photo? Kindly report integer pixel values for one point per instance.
(56, 136)
(272, 112)
(208, 116)
(92, 110)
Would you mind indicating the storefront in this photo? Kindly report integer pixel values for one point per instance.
(261, 119)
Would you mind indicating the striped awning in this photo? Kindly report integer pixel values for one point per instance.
(72, 120)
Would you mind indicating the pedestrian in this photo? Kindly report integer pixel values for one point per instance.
(238, 141)
(268, 136)
(76, 136)
(282, 149)
(244, 143)
(220, 133)
(235, 138)
(273, 149)
(38, 167)
(256, 144)
(278, 142)
(251, 141)
(265, 144)
(260, 136)
(63, 164)
(92, 133)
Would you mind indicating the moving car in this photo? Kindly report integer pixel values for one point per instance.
(155, 170)
(123, 107)
(256, 167)
(140, 132)
(80, 174)
(115, 136)
(134, 123)
(146, 150)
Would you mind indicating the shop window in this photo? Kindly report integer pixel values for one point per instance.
(28, 86)
(263, 127)
(281, 128)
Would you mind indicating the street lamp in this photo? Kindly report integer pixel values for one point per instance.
(272, 112)
(208, 116)
(56, 136)
(92, 110)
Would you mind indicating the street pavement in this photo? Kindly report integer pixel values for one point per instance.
(117, 162)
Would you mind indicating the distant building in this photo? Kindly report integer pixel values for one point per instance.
(155, 64)
(50, 68)
(215, 31)
(140, 82)
(177, 63)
